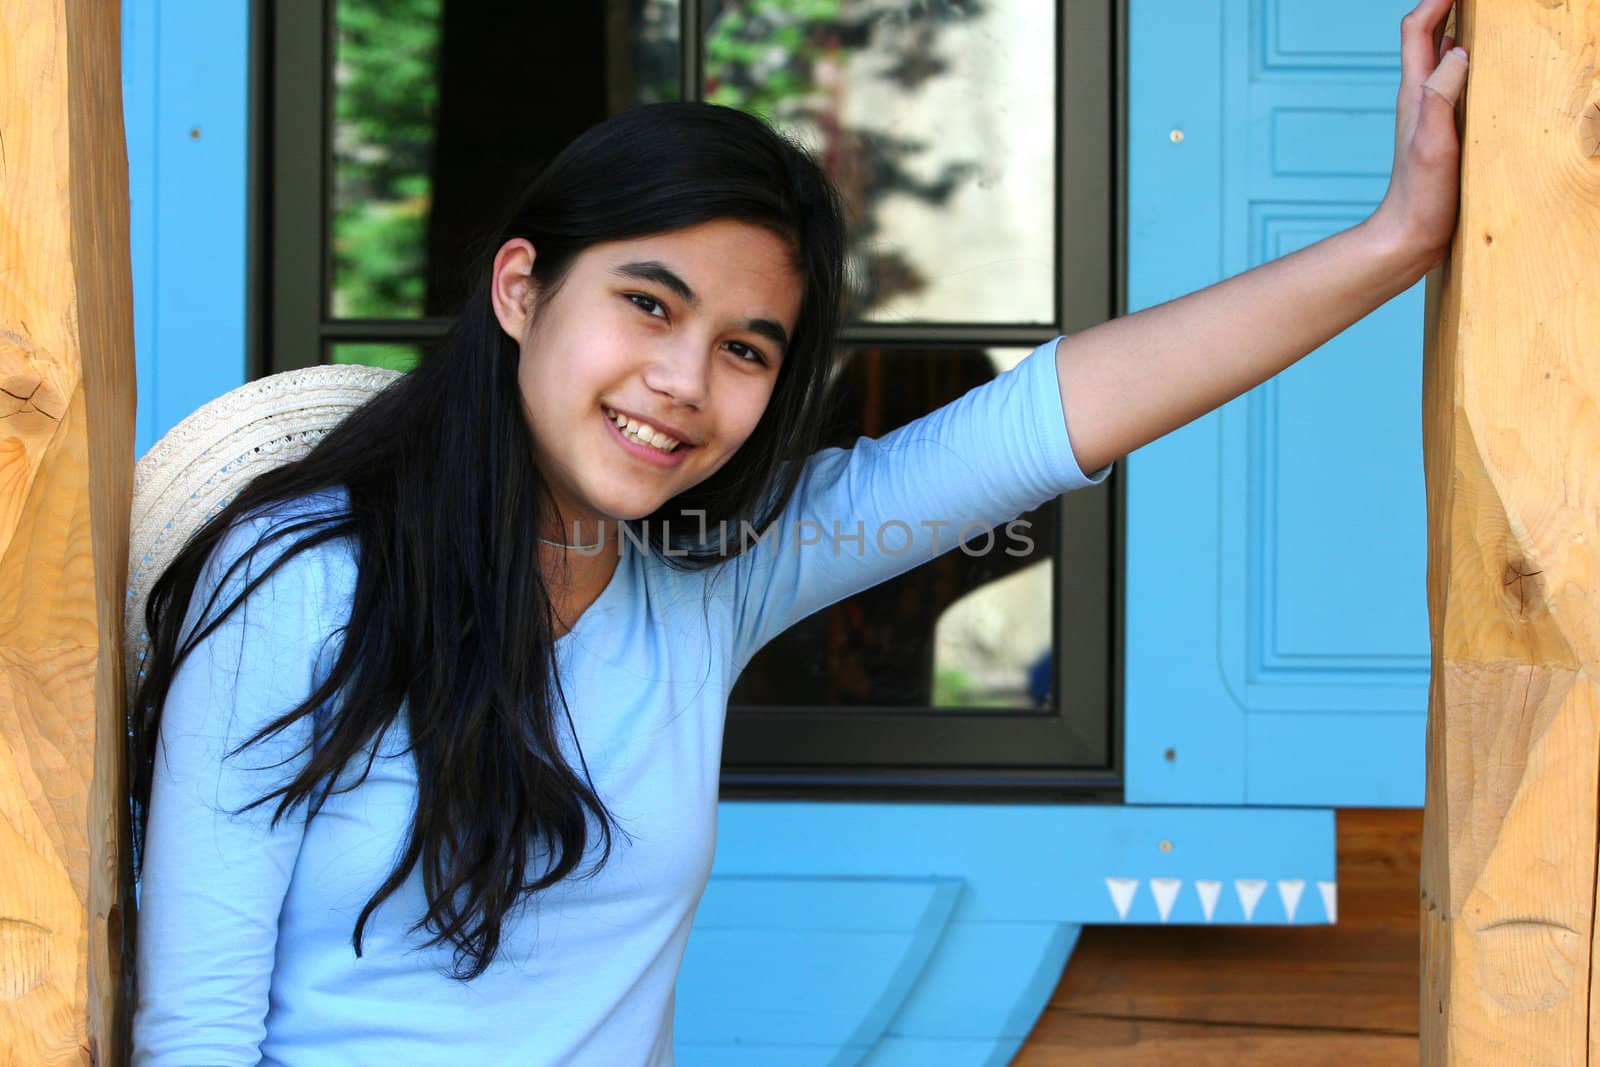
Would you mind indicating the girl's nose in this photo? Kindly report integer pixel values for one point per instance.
(682, 372)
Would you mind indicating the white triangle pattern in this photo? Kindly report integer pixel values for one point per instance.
(1289, 890)
(1165, 890)
(1330, 899)
(1249, 890)
(1122, 891)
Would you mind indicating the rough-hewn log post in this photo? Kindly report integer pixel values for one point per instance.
(66, 448)
(1512, 431)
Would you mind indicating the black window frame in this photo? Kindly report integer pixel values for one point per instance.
(806, 751)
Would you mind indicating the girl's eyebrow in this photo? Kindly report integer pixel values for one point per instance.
(770, 330)
(653, 270)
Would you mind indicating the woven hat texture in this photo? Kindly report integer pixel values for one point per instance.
(197, 466)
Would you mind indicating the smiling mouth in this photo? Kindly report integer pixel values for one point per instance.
(642, 432)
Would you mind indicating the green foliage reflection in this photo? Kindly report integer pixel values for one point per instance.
(386, 98)
(794, 63)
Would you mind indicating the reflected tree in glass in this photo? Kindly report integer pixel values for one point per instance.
(385, 102)
(400, 357)
(649, 32)
(791, 62)
(443, 110)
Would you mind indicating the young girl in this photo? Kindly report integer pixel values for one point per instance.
(428, 745)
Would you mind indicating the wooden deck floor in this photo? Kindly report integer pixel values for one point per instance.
(1256, 997)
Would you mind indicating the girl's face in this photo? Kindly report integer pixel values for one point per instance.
(650, 365)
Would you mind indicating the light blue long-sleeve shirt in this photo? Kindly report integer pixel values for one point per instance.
(244, 952)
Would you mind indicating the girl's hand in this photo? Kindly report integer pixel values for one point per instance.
(1418, 212)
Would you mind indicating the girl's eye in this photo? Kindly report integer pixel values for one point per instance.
(746, 353)
(648, 304)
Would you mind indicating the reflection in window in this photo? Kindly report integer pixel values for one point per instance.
(389, 356)
(443, 109)
(936, 120)
(386, 95)
(963, 629)
(991, 648)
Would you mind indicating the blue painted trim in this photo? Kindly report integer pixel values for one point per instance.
(929, 1052)
(989, 981)
(1040, 863)
(765, 1056)
(972, 1001)
(836, 959)
(186, 110)
(1175, 238)
(1029, 875)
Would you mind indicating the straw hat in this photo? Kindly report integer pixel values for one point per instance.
(198, 465)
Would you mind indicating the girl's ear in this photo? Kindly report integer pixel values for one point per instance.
(512, 288)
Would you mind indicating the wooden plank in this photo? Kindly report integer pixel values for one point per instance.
(1323, 979)
(1359, 975)
(1511, 429)
(66, 448)
(1065, 1039)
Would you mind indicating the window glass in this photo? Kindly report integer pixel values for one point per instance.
(401, 357)
(971, 628)
(936, 119)
(937, 122)
(442, 109)
(386, 97)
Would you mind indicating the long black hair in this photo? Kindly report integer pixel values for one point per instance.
(451, 620)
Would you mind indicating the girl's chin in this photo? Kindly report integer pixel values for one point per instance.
(614, 513)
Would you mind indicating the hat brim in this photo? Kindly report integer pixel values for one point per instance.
(198, 466)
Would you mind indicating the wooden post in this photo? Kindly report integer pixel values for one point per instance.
(1512, 432)
(66, 455)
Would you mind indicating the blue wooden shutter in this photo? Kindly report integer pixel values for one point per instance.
(1277, 644)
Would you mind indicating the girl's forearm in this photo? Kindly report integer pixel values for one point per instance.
(1128, 381)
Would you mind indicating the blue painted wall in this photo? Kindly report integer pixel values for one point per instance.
(1277, 640)
(185, 94)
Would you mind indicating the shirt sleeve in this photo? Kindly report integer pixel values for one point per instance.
(865, 514)
(214, 876)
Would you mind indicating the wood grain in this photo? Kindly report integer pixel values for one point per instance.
(66, 451)
(1067, 1039)
(1512, 436)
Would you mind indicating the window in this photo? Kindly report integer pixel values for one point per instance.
(973, 141)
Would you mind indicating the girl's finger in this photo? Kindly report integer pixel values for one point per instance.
(1419, 39)
(1445, 44)
(1449, 77)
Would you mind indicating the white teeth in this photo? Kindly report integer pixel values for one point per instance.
(643, 432)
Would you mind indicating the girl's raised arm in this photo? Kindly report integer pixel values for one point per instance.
(1128, 381)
